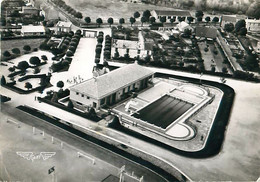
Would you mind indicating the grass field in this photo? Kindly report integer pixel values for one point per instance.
(8, 45)
(109, 8)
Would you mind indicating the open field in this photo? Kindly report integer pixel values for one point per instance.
(109, 8)
(8, 45)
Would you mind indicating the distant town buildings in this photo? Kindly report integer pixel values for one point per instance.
(29, 11)
(110, 88)
(225, 19)
(30, 30)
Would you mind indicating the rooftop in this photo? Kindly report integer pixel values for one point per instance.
(208, 32)
(108, 83)
(31, 28)
(64, 24)
(172, 13)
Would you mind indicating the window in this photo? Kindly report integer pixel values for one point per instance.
(94, 104)
(79, 103)
(102, 101)
(77, 93)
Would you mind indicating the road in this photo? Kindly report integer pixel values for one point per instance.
(80, 144)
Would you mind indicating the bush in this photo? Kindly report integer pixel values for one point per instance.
(7, 54)
(36, 70)
(44, 57)
(28, 85)
(3, 81)
(35, 60)
(11, 69)
(70, 105)
(35, 49)
(26, 48)
(60, 84)
(16, 51)
(23, 65)
(69, 53)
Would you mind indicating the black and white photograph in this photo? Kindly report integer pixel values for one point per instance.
(130, 91)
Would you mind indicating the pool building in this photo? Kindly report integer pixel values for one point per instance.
(110, 88)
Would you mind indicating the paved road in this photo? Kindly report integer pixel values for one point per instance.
(81, 144)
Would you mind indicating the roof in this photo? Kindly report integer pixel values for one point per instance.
(31, 28)
(172, 13)
(111, 82)
(64, 24)
(252, 21)
(208, 32)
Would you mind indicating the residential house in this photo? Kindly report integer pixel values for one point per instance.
(225, 19)
(29, 11)
(183, 25)
(110, 88)
(31, 30)
(63, 26)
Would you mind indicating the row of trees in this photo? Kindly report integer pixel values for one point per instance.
(239, 28)
(68, 9)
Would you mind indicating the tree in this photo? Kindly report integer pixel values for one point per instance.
(70, 104)
(215, 20)
(199, 13)
(172, 20)
(190, 19)
(229, 27)
(240, 24)
(11, 69)
(136, 14)
(121, 21)
(110, 21)
(199, 19)
(163, 19)
(16, 51)
(105, 64)
(69, 53)
(28, 85)
(23, 65)
(187, 32)
(60, 84)
(98, 50)
(152, 20)
(26, 48)
(243, 31)
(251, 62)
(207, 19)
(7, 54)
(78, 15)
(224, 70)
(132, 20)
(3, 81)
(143, 19)
(35, 60)
(87, 20)
(54, 97)
(44, 57)
(99, 21)
(147, 14)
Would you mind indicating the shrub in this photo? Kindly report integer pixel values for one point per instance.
(23, 65)
(28, 85)
(35, 60)
(35, 49)
(16, 51)
(3, 80)
(69, 53)
(11, 69)
(26, 48)
(70, 105)
(7, 54)
(36, 70)
(44, 57)
(60, 84)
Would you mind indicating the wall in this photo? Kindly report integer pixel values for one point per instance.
(85, 102)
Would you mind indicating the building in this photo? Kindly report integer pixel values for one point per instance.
(30, 30)
(225, 19)
(63, 26)
(183, 25)
(170, 14)
(253, 25)
(110, 88)
(29, 11)
(206, 32)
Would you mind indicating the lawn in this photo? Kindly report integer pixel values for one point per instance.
(8, 45)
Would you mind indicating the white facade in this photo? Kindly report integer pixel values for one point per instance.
(253, 25)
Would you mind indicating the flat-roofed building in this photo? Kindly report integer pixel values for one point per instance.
(110, 88)
(170, 14)
(31, 30)
(253, 25)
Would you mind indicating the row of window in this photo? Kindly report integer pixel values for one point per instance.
(82, 95)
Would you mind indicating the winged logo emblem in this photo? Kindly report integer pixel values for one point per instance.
(31, 156)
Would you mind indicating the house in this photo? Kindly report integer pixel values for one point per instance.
(110, 88)
(225, 19)
(170, 14)
(253, 25)
(63, 26)
(183, 25)
(49, 13)
(206, 32)
(30, 30)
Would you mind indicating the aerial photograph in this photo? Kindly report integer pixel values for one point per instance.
(130, 90)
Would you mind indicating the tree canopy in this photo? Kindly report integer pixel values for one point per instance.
(60, 84)
(121, 21)
(99, 21)
(87, 20)
(34, 60)
(132, 20)
(110, 21)
(16, 51)
(136, 14)
(23, 65)
(229, 27)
